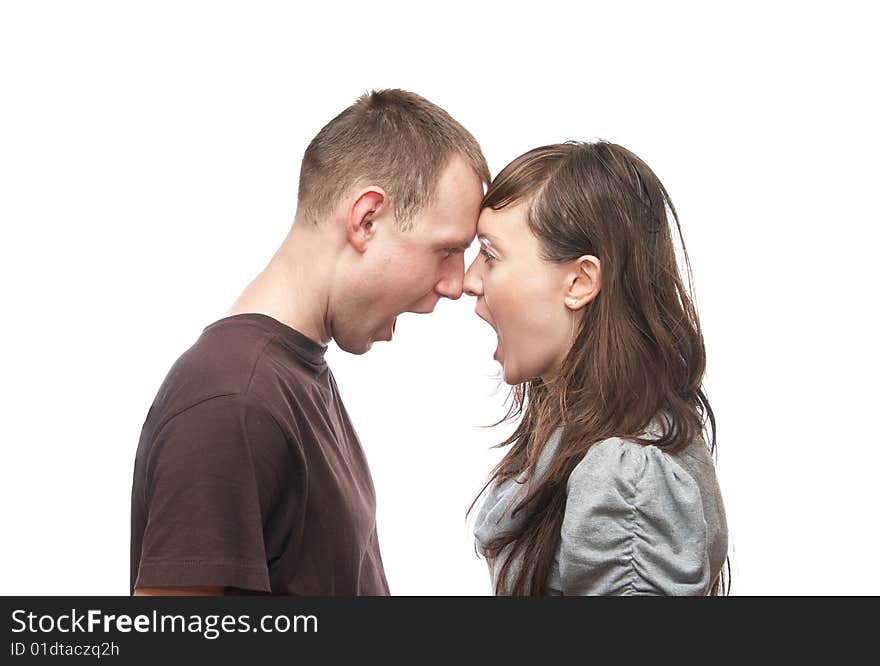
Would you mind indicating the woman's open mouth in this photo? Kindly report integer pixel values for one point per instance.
(497, 354)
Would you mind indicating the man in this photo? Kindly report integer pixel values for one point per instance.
(249, 477)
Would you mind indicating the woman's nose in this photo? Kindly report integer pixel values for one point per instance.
(473, 282)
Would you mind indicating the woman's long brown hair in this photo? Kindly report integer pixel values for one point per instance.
(639, 348)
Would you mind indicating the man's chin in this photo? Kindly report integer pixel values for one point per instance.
(362, 346)
(357, 349)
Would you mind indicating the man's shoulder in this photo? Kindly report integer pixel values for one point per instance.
(223, 361)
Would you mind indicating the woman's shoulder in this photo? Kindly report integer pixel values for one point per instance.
(625, 459)
(611, 457)
(680, 486)
(640, 519)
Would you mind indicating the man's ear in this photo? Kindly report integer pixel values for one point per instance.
(369, 204)
(583, 282)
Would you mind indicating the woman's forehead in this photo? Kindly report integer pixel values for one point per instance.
(502, 222)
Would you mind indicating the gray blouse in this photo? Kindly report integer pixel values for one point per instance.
(638, 520)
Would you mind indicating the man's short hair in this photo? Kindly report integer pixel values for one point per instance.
(392, 138)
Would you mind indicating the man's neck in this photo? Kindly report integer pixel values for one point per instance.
(294, 287)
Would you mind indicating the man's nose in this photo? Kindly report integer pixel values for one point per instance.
(450, 284)
(473, 283)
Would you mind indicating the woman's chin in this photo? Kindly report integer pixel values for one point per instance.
(509, 375)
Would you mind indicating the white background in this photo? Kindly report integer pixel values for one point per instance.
(149, 155)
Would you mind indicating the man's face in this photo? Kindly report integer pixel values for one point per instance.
(410, 271)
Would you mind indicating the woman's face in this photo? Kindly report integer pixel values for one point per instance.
(521, 295)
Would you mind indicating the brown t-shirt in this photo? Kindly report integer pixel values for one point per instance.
(249, 474)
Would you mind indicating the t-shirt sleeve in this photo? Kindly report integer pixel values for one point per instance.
(205, 514)
(633, 525)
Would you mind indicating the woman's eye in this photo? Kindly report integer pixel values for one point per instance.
(489, 258)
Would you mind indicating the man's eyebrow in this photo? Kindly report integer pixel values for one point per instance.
(460, 246)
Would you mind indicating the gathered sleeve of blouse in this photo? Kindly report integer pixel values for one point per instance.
(634, 524)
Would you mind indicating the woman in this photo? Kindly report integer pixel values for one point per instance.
(609, 486)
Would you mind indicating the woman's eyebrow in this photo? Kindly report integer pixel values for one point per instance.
(488, 239)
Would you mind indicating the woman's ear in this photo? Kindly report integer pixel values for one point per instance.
(583, 282)
(369, 204)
